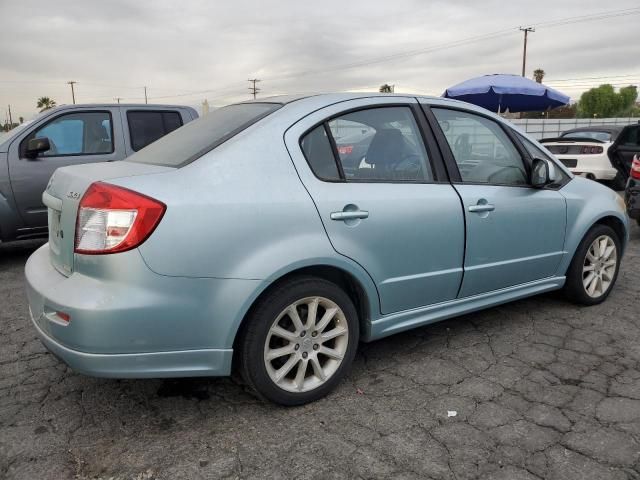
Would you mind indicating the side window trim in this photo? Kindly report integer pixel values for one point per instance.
(22, 148)
(334, 150)
(434, 158)
(450, 162)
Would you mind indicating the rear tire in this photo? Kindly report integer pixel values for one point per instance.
(299, 341)
(594, 268)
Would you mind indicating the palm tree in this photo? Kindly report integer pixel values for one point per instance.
(538, 75)
(45, 103)
(386, 88)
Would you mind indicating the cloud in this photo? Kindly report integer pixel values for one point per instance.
(175, 48)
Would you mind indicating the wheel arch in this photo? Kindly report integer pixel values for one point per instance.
(574, 238)
(358, 285)
(616, 225)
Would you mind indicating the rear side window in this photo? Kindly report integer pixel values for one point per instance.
(196, 138)
(380, 144)
(317, 149)
(588, 134)
(146, 127)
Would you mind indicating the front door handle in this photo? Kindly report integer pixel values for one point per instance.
(482, 207)
(349, 215)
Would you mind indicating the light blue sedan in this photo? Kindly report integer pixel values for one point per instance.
(272, 236)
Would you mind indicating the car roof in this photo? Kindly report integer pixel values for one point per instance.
(284, 99)
(597, 128)
(140, 106)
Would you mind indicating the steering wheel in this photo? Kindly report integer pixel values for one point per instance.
(505, 170)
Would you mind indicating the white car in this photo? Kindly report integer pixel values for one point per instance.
(584, 152)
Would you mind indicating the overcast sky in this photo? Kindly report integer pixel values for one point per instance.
(186, 51)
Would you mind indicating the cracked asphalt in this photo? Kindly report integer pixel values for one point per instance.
(541, 389)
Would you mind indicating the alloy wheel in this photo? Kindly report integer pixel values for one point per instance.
(306, 344)
(599, 266)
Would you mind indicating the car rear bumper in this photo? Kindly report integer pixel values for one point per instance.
(127, 321)
(597, 166)
(186, 363)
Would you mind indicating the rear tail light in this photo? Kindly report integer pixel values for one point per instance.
(590, 150)
(345, 149)
(635, 168)
(114, 219)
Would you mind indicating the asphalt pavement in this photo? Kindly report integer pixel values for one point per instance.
(539, 388)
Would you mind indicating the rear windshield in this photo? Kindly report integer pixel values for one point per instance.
(602, 136)
(196, 138)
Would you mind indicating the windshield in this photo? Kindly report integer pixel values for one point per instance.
(186, 144)
(602, 136)
(4, 136)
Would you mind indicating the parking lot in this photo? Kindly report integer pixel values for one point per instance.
(534, 389)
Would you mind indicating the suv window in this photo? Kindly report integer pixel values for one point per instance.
(483, 151)
(375, 144)
(631, 137)
(78, 133)
(147, 126)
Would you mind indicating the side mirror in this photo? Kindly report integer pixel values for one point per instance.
(542, 173)
(37, 145)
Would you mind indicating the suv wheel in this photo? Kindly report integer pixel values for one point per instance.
(594, 268)
(299, 341)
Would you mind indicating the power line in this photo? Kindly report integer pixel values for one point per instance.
(635, 75)
(400, 55)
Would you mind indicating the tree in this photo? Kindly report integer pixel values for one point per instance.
(538, 75)
(603, 101)
(45, 103)
(386, 88)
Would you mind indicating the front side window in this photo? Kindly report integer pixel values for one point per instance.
(375, 144)
(482, 150)
(83, 133)
(146, 127)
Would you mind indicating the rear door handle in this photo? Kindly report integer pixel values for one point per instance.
(349, 215)
(485, 207)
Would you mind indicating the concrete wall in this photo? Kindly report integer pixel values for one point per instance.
(551, 127)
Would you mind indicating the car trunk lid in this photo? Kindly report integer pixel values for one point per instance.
(63, 195)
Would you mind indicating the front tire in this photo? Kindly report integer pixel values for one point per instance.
(299, 341)
(594, 268)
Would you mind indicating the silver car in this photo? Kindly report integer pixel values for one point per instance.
(272, 236)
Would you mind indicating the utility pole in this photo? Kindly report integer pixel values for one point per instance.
(526, 30)
(145, 95)
(253, 89)
(10, 119)
(118, 99)
(73, 93)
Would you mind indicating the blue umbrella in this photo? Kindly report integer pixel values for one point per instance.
(501, 92)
